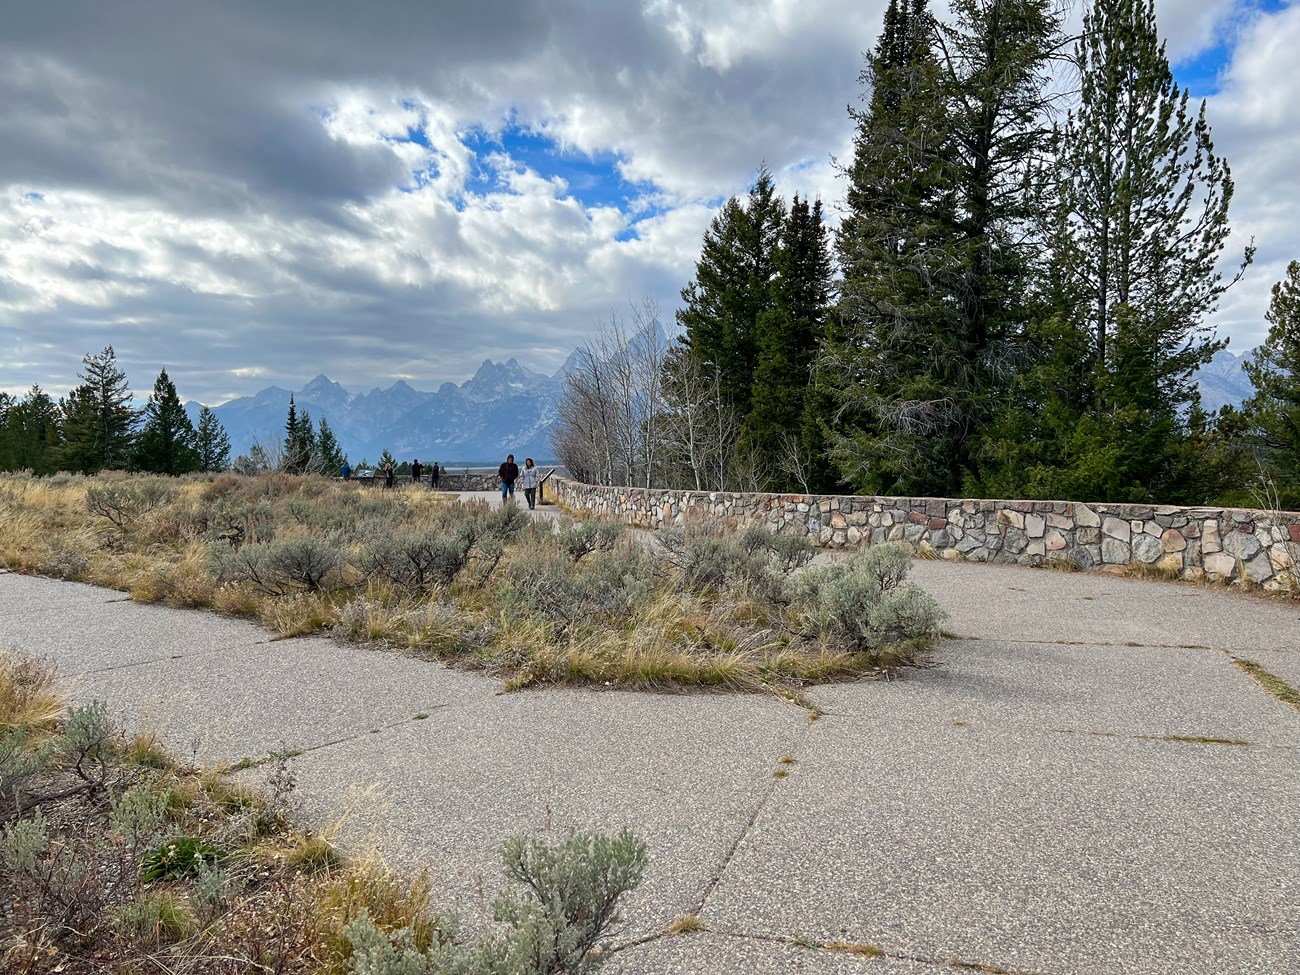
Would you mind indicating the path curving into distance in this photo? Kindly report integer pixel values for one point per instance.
(1057, 794)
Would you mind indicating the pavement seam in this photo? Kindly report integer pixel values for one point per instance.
(866, 950)
(158, 660)
(772, 785)
(246, 763)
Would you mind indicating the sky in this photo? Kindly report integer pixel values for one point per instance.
(251, 193)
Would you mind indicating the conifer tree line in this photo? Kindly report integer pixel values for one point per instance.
(1014, 304)
(97, 427)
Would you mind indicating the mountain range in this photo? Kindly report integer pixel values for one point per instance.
(504, 408)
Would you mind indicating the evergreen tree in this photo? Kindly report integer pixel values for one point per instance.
(306, 449)
(167, 442)
(30, 434)
(299, 448)
(1143, 220)
(933, 247)
(788, 334)
(1137, 232)
(733, 286)
(328, 449)
(212, 442)
(98, 420)
(1272, 414)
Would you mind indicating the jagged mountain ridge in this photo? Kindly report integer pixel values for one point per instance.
(504, 408)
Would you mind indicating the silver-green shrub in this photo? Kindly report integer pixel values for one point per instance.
(565, 901)
(281, 567)
(123, 502)
(862, 604)
(419, 561)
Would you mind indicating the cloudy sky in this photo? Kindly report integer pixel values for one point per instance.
(250, 193)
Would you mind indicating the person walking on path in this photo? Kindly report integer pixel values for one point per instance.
(508, 473)
(434, 475)
(416, 471)
(529, 478)
(388, 474)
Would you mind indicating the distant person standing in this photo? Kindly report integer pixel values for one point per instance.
(434, 475)
(345, 471)
(508, 473)
(529, 478)
(416, 471)
(388, 474)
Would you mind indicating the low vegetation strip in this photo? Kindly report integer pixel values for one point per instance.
(535, 602)
(116, 858)
(1269, 682)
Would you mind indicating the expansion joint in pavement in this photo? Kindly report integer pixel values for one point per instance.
(777, 775)
(861, 949)
(248, 763)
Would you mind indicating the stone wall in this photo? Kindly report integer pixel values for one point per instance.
(1214, 543)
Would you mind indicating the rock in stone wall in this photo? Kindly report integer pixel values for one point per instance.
(1195, 543)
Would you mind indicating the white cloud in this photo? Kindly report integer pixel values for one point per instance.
(266, 192)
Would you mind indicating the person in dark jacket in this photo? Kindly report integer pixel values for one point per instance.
(435, 475)
(416, 471)
(388, 474)
(508, 473)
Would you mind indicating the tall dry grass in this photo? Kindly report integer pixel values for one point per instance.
(534, 602)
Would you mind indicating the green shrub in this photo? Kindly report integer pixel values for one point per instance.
(180, 856)
(418, 561)
(282, 567)
(565, 901)
(123, 502)
(861, 604)
(581, 538)
(138, 814)
(554, 587)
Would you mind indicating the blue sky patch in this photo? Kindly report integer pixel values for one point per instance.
(593, 180)
(1200, 74)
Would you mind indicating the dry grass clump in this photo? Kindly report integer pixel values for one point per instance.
(29, 700)
(536, 602)
(117, 858)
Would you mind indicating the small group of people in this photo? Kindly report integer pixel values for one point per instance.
(389, 472)
(530, 478)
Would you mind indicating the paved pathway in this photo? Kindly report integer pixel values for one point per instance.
(1030, 803)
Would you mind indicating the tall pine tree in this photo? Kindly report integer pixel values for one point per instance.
(167, 442)
(733, 286)
(99, 421)
(1140, 225)
(933, 249)
(212, 442)
(1272, 414)
(788, 335)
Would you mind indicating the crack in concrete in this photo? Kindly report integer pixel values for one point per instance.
(839, 947)
(772, 785)
(246, 763)
(171, 656)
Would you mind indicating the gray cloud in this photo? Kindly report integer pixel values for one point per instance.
(228, 190)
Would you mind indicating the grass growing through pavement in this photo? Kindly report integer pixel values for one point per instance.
(1269, 682)
(533, 601)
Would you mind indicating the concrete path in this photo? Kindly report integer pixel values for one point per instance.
(1043, 799)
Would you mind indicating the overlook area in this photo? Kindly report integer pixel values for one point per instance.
(1083, 777)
